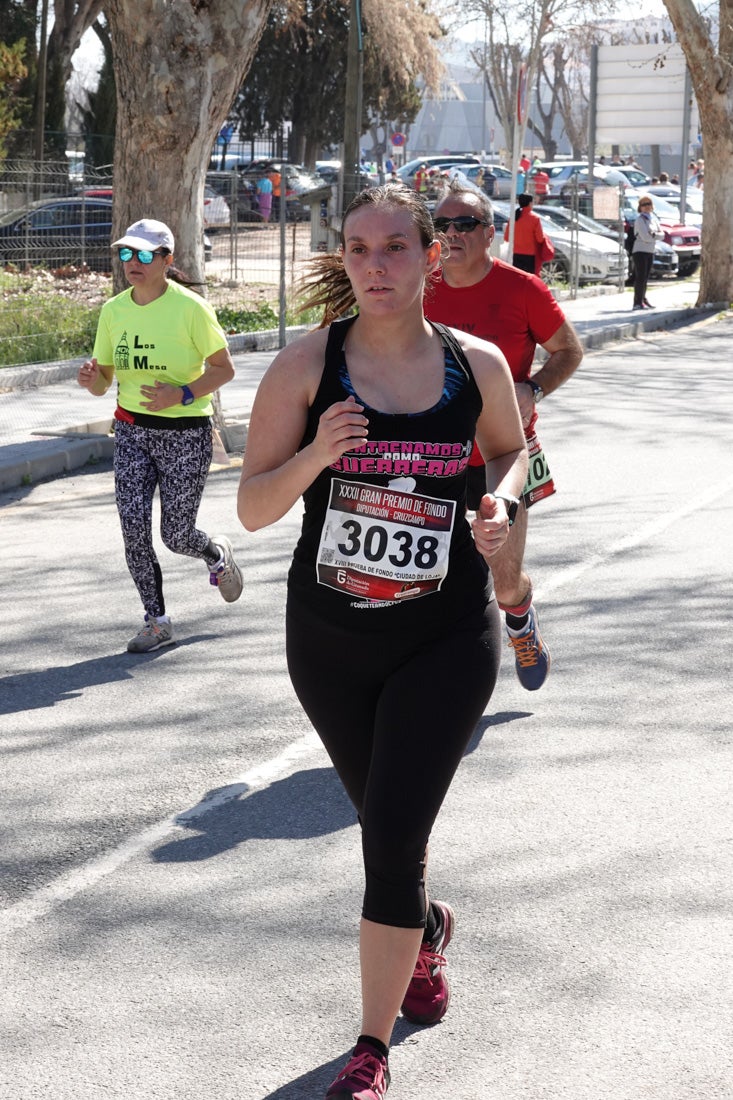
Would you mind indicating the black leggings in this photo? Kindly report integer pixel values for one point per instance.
(177, 462)
(395, 713)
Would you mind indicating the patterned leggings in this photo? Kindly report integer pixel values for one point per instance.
(177, 462)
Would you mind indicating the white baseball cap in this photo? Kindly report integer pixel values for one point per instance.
(148, 234)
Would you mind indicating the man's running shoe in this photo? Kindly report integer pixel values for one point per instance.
(154, 634)
(364, 1077)
(428, 994)
(226, 574)
(531, 655)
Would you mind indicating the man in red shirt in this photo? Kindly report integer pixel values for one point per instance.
(516, 311)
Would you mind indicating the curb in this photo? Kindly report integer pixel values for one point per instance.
(661, 319)
(24, 463)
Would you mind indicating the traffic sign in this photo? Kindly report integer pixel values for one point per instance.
(398, 139)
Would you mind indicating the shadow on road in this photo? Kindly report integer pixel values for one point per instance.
(306, 804)
(48, 686)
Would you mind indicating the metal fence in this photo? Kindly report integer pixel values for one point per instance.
(55, 232)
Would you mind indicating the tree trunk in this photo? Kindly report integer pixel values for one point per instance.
(711, 75)
(178, 66)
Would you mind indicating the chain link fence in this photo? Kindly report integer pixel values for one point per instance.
(55, 233)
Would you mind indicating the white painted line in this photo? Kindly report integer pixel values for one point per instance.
(645, 534)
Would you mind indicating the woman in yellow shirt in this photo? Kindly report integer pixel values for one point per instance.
(165, 347)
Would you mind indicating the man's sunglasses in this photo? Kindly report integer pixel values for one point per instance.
(144, 255)
(464, 224)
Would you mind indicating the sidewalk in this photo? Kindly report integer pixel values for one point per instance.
(49, 425)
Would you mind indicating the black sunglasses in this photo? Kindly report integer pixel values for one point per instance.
(144, 255)
(464, 224)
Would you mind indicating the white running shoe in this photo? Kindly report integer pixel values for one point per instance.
(226, 574)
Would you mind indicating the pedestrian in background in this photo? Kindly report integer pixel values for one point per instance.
(264, 197)
(530, 242)
(421, 180)
(163, 344)
(275, 178)
(392, 632)
(647, 231)
(516, 311)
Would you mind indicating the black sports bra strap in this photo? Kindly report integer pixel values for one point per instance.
(337, 334)
(457, 351)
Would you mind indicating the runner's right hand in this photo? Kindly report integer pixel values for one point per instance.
(88, 374)
(340, 428)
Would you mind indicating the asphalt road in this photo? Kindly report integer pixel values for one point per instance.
(180, 872)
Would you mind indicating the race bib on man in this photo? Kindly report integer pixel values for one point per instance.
(539, 482)
(381, 544)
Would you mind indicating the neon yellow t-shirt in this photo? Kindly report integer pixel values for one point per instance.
(166, 340)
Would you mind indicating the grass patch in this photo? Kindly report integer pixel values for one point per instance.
(44, 329)
(232, 319)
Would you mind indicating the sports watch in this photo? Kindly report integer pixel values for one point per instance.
(512, 504)
(188, 396)
(537, 392)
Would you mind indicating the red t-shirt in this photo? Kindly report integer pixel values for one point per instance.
(508, 307)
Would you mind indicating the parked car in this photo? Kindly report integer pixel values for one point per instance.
(635, 176)
(599, 259)
(330, 170)
(59, 232)
(443, 160)
(673, 195)
(238, 193)
(665, 257)
(217, 214)
(502, 180)
(502, 183)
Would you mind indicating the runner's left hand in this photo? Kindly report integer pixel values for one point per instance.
(160, 396)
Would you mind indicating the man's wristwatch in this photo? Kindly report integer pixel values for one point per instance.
(512, 504)
(537, 392)
(188, 397)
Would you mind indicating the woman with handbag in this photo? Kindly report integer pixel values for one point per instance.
(531, 247)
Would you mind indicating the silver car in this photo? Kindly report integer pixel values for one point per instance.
(599, 259)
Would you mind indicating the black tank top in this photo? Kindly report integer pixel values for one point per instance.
(384, 540)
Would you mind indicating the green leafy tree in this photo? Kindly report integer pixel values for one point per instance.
(18, 33)
(299, 72)
(12, 74)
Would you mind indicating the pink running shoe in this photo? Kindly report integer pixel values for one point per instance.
(364, 1077)
(428, 994)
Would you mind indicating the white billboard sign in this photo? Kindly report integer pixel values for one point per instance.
(640, 94)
